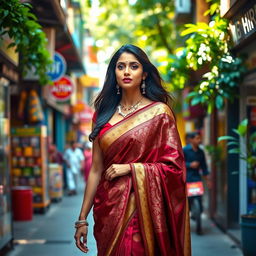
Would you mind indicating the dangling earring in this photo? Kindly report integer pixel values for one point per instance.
(118, 89)
(143, 87)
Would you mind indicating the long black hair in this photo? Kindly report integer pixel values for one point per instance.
(108, 99)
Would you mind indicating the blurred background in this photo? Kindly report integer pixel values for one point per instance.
(53, 59)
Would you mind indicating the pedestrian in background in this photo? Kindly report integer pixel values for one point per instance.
(196, 167)
(54, 155)
(87, 159)
(74, 158)
(137, 180)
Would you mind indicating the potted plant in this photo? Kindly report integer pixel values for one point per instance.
(248, 221)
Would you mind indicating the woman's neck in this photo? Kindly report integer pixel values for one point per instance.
(131, 97)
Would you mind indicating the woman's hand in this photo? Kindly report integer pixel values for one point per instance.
(81, 238)
(116, 170)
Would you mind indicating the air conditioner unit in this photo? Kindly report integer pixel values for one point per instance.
(182, 6)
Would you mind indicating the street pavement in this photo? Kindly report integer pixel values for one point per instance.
(51, 234)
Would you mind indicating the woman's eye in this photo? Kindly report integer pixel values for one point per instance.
(120, 67)
(134, 67)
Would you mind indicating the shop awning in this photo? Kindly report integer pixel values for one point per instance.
(65, 45)
(89, 81)
(50, 13)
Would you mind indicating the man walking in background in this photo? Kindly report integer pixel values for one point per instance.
(196, 168)
(74, 158)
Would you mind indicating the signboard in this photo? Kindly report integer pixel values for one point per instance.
(58, 67)
(9, 73)
(85, 116)
(62, 89)
(243, 24)
(23, 131)
(195, 188)
(251, 101)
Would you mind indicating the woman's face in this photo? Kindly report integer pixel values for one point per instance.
(129, 71)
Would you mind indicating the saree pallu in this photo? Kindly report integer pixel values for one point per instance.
(154, 191)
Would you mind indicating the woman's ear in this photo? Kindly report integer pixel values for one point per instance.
(144, 75)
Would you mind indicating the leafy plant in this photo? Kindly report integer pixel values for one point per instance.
(214, 7)
(248, 155)
(148, 24)
(215, 152)
(20, 24)
(207, 42)
(207, 47)
(178, 73)
(219, 84)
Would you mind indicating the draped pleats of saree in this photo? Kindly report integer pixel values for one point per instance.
(145, 212)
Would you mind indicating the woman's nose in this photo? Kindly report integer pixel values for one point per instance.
(126, 71)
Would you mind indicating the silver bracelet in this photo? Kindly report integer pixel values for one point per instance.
(81, 222)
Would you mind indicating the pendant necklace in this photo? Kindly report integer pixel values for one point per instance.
(130, 109)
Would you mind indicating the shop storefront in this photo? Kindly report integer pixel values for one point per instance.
(240, 190)
(8, 78)
(248, 110)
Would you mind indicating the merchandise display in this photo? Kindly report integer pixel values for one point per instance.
(29, 162)
(56, 184)
(6, 233)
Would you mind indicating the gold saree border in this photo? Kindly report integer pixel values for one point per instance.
(139, 176)
(132, 121)
(131, 207)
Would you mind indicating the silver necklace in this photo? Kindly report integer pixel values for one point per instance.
(131, 109)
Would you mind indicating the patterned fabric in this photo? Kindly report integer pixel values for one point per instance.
(131, 243)
(155, 191)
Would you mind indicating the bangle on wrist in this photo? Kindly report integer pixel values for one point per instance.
(81, 222)
(80, 225)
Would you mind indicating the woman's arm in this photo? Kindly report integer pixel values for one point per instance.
(93, 180)
(91, 187)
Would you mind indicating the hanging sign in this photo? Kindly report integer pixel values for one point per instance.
(243, 24)
(58, 67)
(62, 89)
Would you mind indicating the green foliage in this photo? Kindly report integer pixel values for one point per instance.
(219, 84)
(148, 24)
(207, 42)
(214, 7)
(237, 142)
(156, 23)
(21, 26)
(215, 152)
(178, 72)
(112, 23)
(207, 47)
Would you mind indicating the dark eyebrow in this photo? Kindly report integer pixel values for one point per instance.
(132, 62)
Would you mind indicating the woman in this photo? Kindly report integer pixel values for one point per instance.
(137, 179)
(87, 159)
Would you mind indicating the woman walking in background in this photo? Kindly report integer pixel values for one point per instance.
(137, 180)
(87, 159)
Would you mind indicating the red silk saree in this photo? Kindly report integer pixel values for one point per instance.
(151, 201)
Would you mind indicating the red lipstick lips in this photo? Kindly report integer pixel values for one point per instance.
(127, 80)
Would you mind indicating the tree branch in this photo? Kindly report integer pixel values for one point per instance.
(162, 36)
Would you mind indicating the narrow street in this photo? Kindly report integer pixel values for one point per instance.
(149, 82)
(52, 234)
